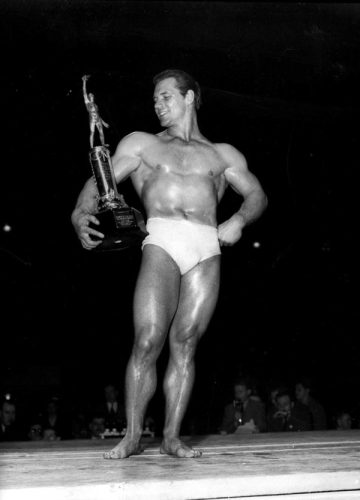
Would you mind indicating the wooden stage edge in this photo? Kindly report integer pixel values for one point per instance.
(306, 465)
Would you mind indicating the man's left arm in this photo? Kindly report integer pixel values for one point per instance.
(245, 184)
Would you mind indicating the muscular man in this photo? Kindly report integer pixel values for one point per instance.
(180, 177)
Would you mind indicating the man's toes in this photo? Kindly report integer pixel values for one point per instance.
(111, 455)
(188, 453)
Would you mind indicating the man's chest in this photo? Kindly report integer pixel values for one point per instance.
(183, 159)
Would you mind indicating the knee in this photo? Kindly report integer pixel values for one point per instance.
(187, 337)
(148, 342)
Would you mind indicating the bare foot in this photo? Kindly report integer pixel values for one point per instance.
(124, 449)
(178, 449)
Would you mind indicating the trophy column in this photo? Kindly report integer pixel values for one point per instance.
(118, 222)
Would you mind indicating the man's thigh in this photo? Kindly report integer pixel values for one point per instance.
(199, 291)
(157, 290)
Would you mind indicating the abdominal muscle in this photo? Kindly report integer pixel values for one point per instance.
(189, 197)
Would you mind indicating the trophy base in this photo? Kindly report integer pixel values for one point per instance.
(120, 227)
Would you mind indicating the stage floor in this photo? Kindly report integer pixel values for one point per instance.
(305, 465)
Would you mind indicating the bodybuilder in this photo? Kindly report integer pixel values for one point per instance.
(180, 178)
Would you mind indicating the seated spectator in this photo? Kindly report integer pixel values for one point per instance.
(35, 432)
(304, 396)
(79, 425)
(112, 408)
(289, 416)
(9, 428)
(246, 413)
(50, 435)
(96, 426)
(343, 421)
(272, 405)
(54, 422)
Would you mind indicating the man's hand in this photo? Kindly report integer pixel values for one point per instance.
(230, 231)
(84, 231)
(282, 414)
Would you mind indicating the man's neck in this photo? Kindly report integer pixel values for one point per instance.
(185, 131)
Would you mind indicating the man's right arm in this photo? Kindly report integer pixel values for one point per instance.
(86, 98)
(125, 161)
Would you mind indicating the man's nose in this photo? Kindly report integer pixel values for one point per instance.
(159, 106)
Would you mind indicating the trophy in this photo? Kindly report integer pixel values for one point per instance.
(122, 226)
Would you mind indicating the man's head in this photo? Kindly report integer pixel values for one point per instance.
(283, 400)
(344, 421)
(97, 426)
(111, 393)
(35, 432)
(52, 406)
(242, 390)
(302, 390)
(8, 413)
(183, 82)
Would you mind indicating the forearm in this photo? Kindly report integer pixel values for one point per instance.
(86, 99)
(252, 207)
(86, 202)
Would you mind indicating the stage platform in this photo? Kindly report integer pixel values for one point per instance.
(305, 465)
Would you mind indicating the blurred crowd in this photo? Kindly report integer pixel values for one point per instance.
(284, 409)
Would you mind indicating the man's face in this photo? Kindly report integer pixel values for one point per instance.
(97, 426)
(169, 103)
(241, 393)
(344, 421)
(8, 414)
(35, 433)
(111, 393)
(284, 403)
(301, 392)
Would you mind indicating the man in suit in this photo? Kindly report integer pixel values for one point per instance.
(246, 413)
(9, 429)
(113, 408)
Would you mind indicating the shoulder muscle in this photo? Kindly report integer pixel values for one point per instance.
(127, 156)
(236, 171)
(232, 156)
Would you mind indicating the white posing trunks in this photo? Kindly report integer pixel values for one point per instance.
(187, 243)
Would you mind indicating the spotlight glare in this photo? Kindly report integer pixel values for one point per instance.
(7, 228)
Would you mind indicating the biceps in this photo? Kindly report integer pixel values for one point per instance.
(243, 182)
(124, 166)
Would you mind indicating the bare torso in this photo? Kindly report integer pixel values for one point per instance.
(178, 179)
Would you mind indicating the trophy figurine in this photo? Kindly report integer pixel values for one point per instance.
(122, 226)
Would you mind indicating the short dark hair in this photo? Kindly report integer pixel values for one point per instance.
(283, 392)
(184, 82)
(245, 381)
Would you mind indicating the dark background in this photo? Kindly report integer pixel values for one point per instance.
(281, 83)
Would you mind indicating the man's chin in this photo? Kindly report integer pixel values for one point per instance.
(164, 122)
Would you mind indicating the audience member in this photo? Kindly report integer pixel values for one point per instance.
(288, 415)
(54, 422)
(111, 406)
(50, 435)
(246, 413)
(9, 428)
(304, 396)
(271, 404)
(97, 426)
(79, 424)
(36, 431)
(343, 421)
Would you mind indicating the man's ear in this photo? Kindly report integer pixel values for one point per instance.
(190, 96)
